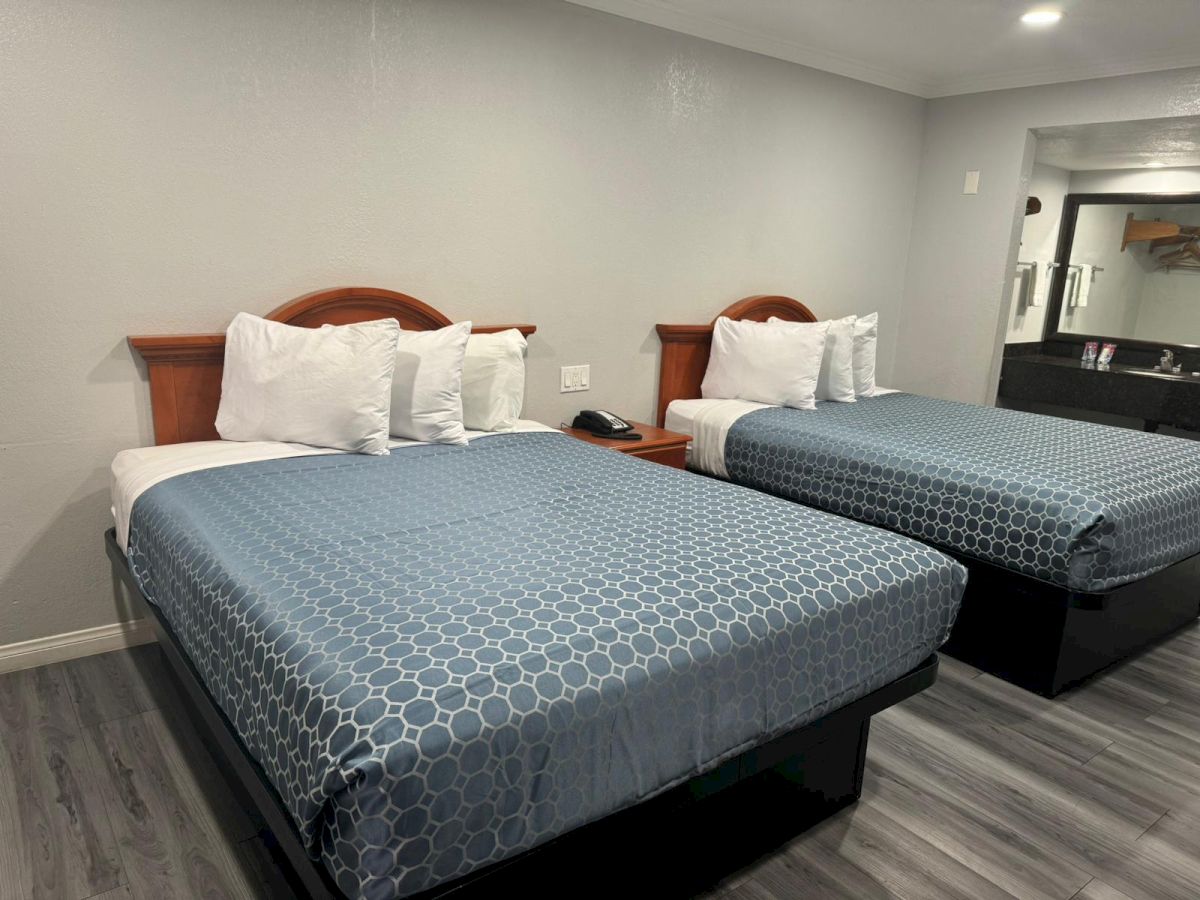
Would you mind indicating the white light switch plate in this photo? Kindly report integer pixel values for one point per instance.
(971, 182)
(575, 378)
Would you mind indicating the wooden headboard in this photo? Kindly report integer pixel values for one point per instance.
(685, 348)
(185, 369)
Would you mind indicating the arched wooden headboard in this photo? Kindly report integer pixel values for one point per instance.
(185, 369)
(685, 348)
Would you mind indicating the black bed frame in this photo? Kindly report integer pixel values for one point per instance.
(783, 786)
(1047, 638)
(1040, 636)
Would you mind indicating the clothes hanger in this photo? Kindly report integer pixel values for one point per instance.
(1188, 249)
(1186, 257)
(1187, 233)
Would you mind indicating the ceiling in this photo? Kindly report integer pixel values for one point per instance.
(934, 48)
(1121, 145)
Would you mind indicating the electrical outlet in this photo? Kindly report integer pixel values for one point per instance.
(575, 378)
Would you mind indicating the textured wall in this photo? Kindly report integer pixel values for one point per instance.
(1169, 307)
(1039, 241)
(166, 163)
(1112, 308)
(1117, 181)
(964, 247)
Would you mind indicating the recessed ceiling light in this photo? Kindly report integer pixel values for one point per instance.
(1154, 165)
(1041, 17)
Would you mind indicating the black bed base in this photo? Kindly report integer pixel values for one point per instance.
(1047, 638)
(673, 845)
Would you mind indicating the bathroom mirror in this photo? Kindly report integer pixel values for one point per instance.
(1127, 269)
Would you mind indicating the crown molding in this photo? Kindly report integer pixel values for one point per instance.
(1003, 81)
(665, 14)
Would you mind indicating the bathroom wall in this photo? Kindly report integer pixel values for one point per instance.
(1039, 241)
(1116, 292)
(1181, 179)
(1169, 305)
(958, 286)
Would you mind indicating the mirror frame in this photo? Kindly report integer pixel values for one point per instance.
(1062, 256)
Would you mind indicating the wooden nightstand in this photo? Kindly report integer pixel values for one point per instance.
(657, 444)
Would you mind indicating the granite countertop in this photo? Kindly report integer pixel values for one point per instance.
(1138, 392)
(1112, 369)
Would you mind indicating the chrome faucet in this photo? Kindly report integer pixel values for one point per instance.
(1167, 363)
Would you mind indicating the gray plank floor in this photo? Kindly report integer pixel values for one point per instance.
(974, 789)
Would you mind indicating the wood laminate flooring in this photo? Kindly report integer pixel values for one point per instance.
(974, 789)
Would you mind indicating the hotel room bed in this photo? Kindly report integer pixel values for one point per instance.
(1067, 502)
(1082, 540)
(436, 659)
(447, 655)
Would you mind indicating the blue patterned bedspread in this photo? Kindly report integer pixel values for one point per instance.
(1083, 506)
(450, 654)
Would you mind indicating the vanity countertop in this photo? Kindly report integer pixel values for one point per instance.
(1139, 392)
(1112, 369)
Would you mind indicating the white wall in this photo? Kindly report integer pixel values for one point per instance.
(1169, 311)
(166, 163)
(1133, 297)
(1134, 181)
(1039, 242)
(1169, 305)
(1114, 307)
(964, 247)
(1116, 292)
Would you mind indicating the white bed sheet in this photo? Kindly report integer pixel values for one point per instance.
(136, 471)
(709, 421)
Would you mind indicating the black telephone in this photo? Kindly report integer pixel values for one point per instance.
(605, 424)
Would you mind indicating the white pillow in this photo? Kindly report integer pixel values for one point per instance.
(329, 386)
(866, 332)
(836, 381)
(776, 364)
(493, 380)
(427, 385)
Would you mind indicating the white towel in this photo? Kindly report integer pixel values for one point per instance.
(1083, 285)
(1038, 282)
(1020, 292)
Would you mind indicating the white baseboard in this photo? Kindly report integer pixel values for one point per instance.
(74, 644)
